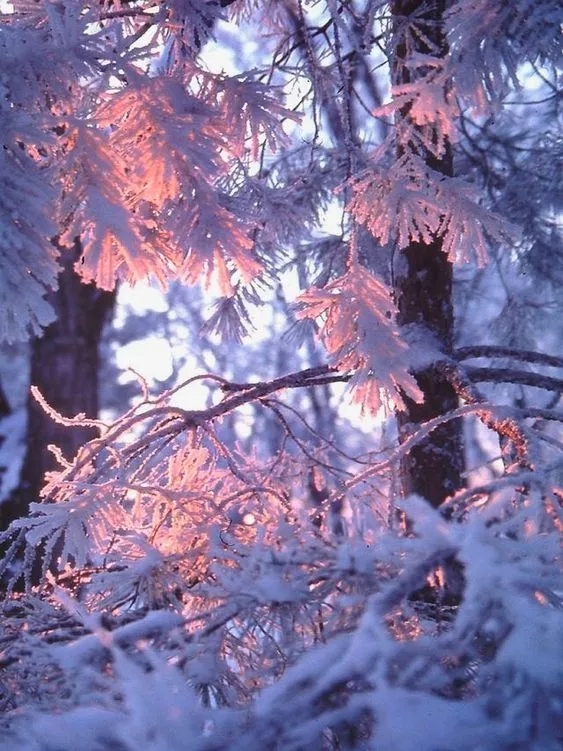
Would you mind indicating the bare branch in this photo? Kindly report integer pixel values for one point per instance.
(484, 350)
(509, 375)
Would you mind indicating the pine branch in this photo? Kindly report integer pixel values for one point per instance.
(511, 375)
(309, 377)
(508, 430)
(484, 350)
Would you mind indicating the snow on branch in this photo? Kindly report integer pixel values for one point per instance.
(409, 202)
(490, 41)
(184, 587)
(214, 572)
(431, 104)
(360, 334)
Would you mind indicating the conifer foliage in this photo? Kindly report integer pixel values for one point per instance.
(198, 595)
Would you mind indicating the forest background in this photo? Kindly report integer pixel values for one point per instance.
(337, 201)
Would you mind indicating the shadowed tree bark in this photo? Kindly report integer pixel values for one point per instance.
(65, 367)
(423, 286)
(5, 410)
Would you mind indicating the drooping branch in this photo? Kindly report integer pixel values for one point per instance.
(512, 440)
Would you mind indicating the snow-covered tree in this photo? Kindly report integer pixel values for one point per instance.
(198, 591)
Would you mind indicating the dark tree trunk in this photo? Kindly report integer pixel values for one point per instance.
(65, 367)
(5, 411)
(423, 287)
(433, 468)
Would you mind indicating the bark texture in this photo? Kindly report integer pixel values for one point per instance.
(423, 287)
(65, 368)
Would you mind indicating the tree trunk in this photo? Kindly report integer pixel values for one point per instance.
(5, 411)
(423, 287)
(64, 366)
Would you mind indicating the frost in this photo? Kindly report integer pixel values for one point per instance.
(97, 726)
(232, 564)
(425, 349)
(432, 722)
(12, 449)
(27, 259)
(411, 203)
(361, 337)
(431, 104)
(534, 625)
